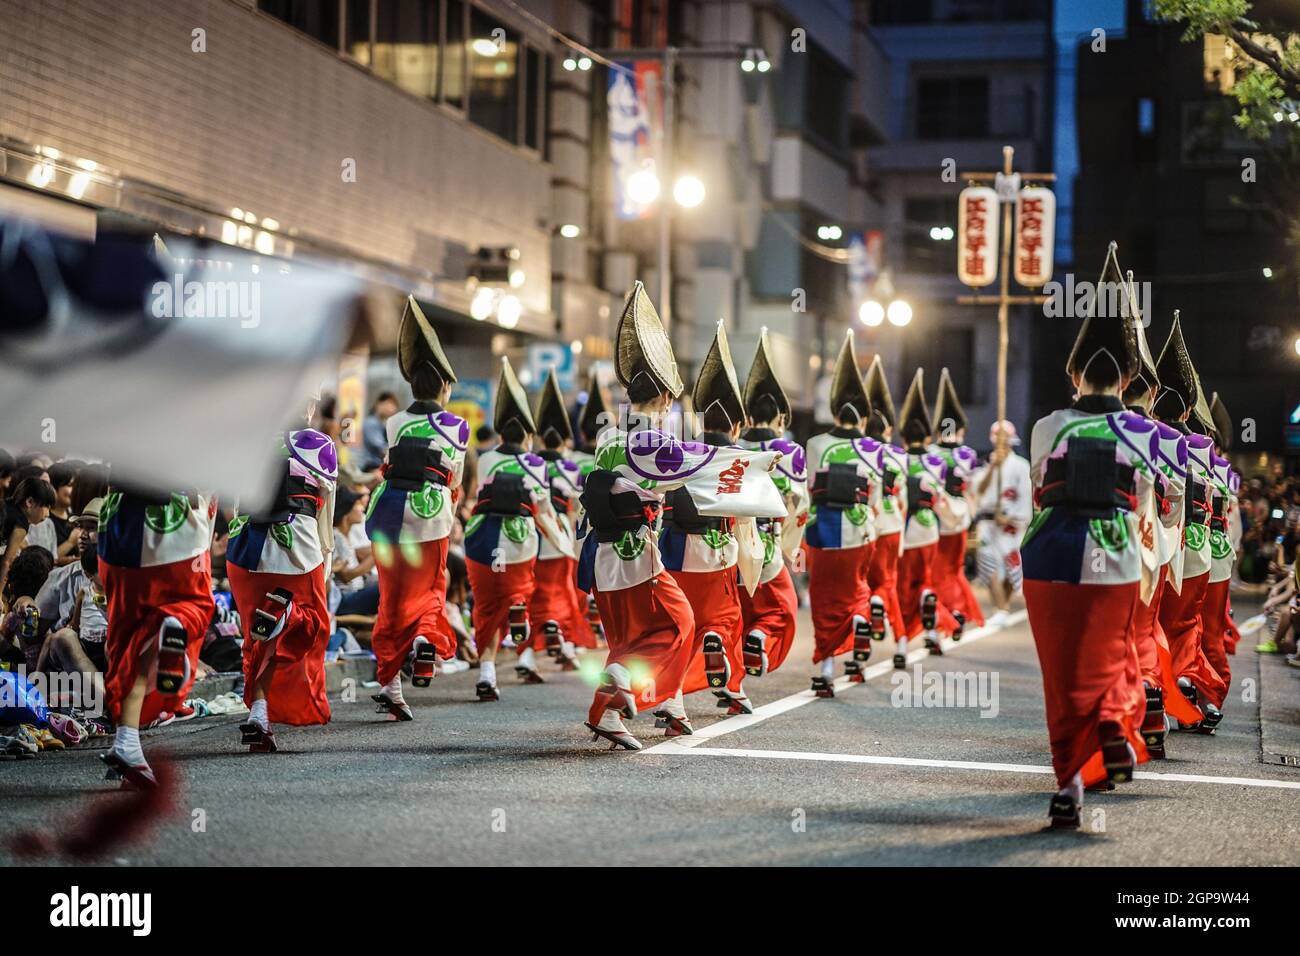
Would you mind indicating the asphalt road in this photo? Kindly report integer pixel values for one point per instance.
(840, 781)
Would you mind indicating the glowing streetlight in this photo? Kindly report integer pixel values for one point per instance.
(570, 231)
(643, 186)
(484, 47)
(900, 313)
(480, 306)
(508, 312)
(688, 191)
(871, 313)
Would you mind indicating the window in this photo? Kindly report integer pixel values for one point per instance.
(534, 97)
(826, 106)
(929, 235)
(357, 42)
(453, 66)
(406, 48)
(952, 107)
(493, 76)
(318, 19)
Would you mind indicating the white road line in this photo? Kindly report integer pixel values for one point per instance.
(730, 725)
(675, 748)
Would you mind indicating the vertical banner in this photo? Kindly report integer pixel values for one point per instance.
(865, 251)
(977, 235)
(1035, 233)
(635, 110)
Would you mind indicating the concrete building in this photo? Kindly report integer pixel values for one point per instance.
(966, 78)
(404, 139)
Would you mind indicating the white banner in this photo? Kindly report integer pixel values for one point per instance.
(1035, 234)
(977, 235)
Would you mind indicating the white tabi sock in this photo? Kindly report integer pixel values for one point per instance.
(620, 675)
(901, 646)
(675, 705)
(828, 668)
(126, 744)
(528, 659)
(568, 649)
(611, 721)
(487, 671)
(257, 714)
(394, 689)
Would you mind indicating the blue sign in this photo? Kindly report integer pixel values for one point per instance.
(544, 356)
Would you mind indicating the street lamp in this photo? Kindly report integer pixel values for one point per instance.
(900, 313)
(688, 191)
(871, 313)
(643, 185)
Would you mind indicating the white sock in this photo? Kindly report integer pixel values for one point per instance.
(126, 744)
(620, 675)
(568, 650)
(257, 714)
(901, 646)
(1074, 789)
(857, 619)
(676, 706)
(611, 721)
(528, 658)
(828, 668)
(394, 689)
(487, 671)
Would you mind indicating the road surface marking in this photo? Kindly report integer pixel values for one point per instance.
(675, 748)
(730, 725)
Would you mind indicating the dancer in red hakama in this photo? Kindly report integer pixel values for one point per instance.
(649, 624)
(595, 416)
(703, 553)
(410, 518)
(891, 510)
(769, 613)
(560, 621)
(960, 462)
(1089, 559)
(156, 567)
(277, 563)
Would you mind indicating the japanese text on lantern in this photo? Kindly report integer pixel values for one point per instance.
(1035, 233)
(977, 228)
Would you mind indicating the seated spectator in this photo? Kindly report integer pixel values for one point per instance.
(72, 601)
(62, 476)
(7, 468)
(374, 433)
(350, 571)
(28, 506)
(20, 629)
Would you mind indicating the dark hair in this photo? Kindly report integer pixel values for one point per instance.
(1136, 391)
(28, 458)
(426, 382)
(22, 473)
(877, 424)
(716, 420)
(345, 499)
(61, 473)
(457, 571)
(90, 562)
(643, 389)
(765, 409)
(552, 439)
(514, 432)
(37, 489)
(91, 483)
(7, 464)
(28, 572)
(849, 415)
(483, 433)
(384, 396)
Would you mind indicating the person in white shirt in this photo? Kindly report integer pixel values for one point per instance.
(1004, 505)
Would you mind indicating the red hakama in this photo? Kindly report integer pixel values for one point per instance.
(772, 610)
(1214, 627)
(915, 576)
(954, 590)
(838, 588)
(1154, 660)
(882, 577)
(138, 601)
(715, 604)
(296, 656)
(494, 593)
(650, 629)
(555, 598)
(1231, 636)
(412, 594)
(1092, 687)
(1180, 617)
